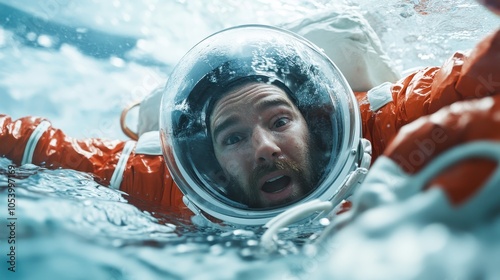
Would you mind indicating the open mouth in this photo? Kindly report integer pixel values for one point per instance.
(276, 184)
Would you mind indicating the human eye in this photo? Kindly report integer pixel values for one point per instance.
(280, 122)
(232, 139)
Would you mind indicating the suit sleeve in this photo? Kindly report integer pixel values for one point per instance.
(419, 143)
(34, 140)
(462, 77)
(112, 162)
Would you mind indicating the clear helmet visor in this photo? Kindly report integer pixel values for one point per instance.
(254, 120)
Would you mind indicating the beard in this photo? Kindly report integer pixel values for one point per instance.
(250, 193)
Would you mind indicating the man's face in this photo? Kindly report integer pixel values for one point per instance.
(261, 141)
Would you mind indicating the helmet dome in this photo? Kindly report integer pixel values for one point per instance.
(258, 54)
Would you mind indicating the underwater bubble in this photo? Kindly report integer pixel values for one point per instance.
(217, 250)
(116, 61)
(31, 36)
(243, 233)
(45, 41)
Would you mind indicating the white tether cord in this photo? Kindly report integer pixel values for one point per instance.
(291, 216)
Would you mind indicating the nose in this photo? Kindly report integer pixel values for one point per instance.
(265, 146)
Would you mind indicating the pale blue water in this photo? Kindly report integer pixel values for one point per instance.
(79, 63)
(69, 227)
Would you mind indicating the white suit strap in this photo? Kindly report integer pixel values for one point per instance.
(29, 150)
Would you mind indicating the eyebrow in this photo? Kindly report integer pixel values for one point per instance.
(262, 106)
(224, 125)
(266, 104)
